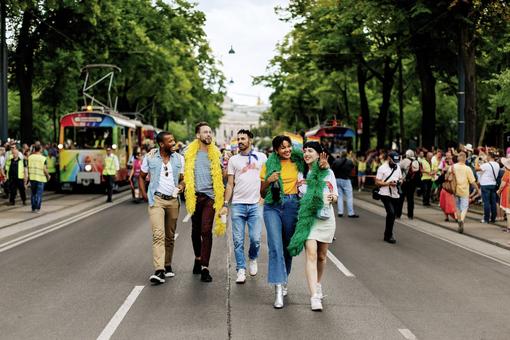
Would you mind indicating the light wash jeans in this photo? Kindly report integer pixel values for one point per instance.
(280, 220)
(345, 187)
(243, 214)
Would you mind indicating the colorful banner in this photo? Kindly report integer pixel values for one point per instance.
(297, 140)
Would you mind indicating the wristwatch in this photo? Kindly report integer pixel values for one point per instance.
(225, 204)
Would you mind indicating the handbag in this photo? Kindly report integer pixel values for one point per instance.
(450, 181)
(325, 212)
(375, 192)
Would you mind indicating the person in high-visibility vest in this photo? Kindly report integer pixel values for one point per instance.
(38, 175)
(111, 166)
(16, 174)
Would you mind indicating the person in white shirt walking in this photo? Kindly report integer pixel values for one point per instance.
(387, 179)
(243, 187)
(489, 175)
(111, 166)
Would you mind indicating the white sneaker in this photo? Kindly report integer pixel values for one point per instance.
(285, 290)
(252, 264)
(318, 291)
(241, 276)
(316, 303)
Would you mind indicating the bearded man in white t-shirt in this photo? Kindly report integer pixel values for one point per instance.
(243, 187)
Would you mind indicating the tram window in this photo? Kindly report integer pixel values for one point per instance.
(87, 137)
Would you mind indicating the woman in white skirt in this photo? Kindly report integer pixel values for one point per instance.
(316, 226)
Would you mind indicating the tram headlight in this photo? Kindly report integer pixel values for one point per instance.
(60, 146)
(88, 167)
(114, 146)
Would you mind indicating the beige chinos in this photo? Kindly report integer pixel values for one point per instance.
(163, 215)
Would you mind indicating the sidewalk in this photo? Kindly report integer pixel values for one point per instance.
(490, 233)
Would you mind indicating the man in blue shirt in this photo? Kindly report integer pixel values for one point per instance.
(166, 170)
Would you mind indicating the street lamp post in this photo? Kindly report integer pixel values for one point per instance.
(3, 74)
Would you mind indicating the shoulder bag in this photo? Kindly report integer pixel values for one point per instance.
(375, 192)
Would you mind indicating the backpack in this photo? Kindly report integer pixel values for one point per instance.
(411, 175)
(450, 181)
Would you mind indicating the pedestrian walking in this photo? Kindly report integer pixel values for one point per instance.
(410, 168)
(243, 187)
(51, 163)
(446, 199)
(166, 170)
(111, 166)
(2, 171)
(204, 196)
(38, 175)
(426, 178)
(342, 167)
(464, 178)
(316, 225)
(504, 191)
(362, 172)
(489, 172)
(134, 174)
(15, 169)
(387, 179)
(279, 177)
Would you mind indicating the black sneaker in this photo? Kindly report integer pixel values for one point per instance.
(169, 272)
(205, 276)
(355, 216)
(197, 268)
(340, 215)
(158, 277)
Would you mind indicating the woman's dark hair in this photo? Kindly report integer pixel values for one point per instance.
(312, 145)
(278, 141)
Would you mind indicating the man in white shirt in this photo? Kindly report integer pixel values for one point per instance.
(244, 185)
(166, 169)
(489, 172)
(387, 179)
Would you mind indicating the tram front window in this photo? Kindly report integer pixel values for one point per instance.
(87, 137)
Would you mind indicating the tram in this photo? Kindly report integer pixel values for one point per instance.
(84, 136)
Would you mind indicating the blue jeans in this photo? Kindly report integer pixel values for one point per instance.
(37, 192)
(280, 220)
(243, 214)
(490, 199)
(345, 187)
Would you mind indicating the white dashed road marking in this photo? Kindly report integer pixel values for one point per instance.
(339, 265)
(121, 313)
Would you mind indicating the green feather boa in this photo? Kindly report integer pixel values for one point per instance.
(273, 164)
(309, 206)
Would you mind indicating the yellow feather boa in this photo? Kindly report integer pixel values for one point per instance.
(217, 179)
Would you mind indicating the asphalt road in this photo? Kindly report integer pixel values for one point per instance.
(70, 283)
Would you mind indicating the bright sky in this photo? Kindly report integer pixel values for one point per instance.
(253, 29)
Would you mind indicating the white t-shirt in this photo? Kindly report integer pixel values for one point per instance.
(330, 187)
(382, 173)
(166, 184)
(246, 177)
(487, 176)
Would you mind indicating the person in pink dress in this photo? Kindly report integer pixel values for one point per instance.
(447, 200)
(504, 191)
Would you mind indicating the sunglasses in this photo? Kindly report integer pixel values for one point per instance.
(166, 170)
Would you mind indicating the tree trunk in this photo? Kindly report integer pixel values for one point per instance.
(428, 98)
(469, 60)
(387, 86)
(403, 142)
(55, 124)
(365, 113)
(24, 65)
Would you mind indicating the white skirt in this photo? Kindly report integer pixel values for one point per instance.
(324, 230)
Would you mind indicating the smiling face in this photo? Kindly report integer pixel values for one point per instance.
(205, 135)
(284, 150)
(243, 141)
(310, 155)
(168, 143)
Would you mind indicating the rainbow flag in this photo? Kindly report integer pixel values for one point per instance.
(297, 140)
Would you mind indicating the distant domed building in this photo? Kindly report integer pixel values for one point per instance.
(237, 117)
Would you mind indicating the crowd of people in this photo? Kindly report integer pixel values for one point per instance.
(24, 166)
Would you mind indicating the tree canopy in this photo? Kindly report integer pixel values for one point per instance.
(395, 64)
(168, 71)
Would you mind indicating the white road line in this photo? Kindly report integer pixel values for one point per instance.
(115, 321)
(339, 265)
(43, 231)
(407, 334)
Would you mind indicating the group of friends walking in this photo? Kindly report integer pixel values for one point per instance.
(292, 190)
